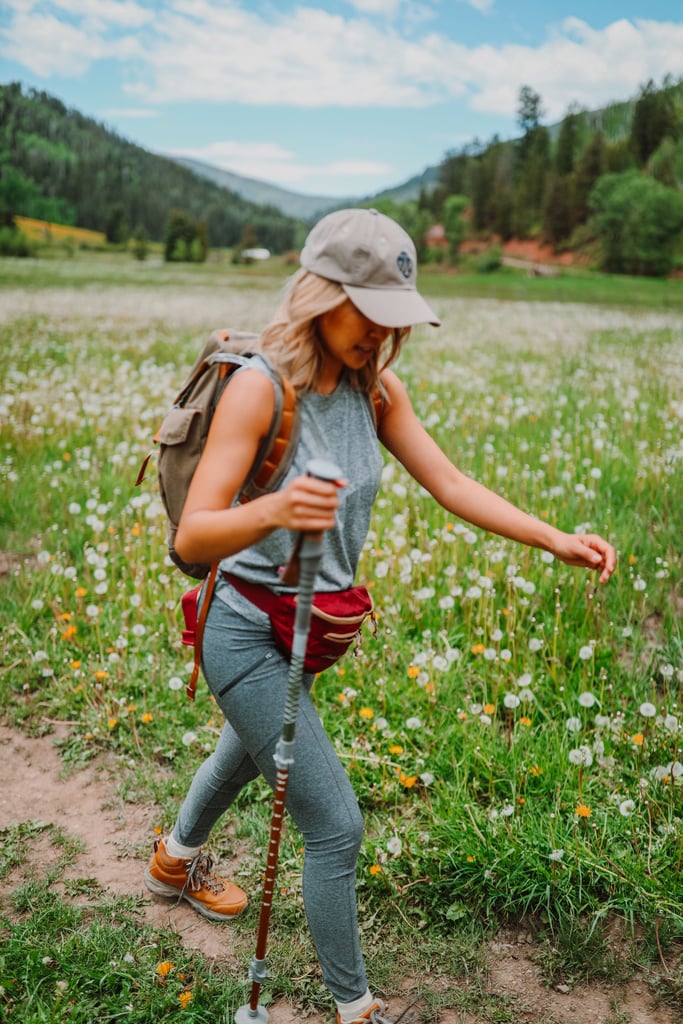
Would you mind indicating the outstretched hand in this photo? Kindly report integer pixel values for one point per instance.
(587, 550)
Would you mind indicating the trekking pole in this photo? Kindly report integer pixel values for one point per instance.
(308, 550)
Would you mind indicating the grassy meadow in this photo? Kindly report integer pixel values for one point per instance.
(513, 732)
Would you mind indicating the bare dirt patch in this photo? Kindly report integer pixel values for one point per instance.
(117, 839)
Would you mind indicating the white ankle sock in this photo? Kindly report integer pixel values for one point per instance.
(349, 1012)
(175, 849)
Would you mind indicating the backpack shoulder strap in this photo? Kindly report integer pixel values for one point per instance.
(376, 401)
(275, 453)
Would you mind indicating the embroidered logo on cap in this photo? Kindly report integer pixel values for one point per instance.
(404, 264)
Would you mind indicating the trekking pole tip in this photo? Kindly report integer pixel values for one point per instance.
(245, 1015)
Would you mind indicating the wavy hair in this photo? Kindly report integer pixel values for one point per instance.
(292, 343)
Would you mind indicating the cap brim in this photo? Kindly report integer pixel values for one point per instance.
(388, 307)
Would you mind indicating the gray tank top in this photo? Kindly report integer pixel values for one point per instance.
(339, 427)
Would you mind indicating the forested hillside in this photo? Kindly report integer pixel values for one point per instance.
(609, 182)
(58, 165)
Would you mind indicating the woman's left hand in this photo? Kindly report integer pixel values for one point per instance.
(587, 550)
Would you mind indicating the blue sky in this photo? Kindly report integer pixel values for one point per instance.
(332, 97)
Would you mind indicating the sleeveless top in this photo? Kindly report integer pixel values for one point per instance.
(339, 427)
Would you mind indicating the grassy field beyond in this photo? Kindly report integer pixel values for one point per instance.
(513, 733)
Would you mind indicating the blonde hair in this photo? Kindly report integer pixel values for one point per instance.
(292, 343)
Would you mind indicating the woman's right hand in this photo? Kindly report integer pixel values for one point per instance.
(307, 504)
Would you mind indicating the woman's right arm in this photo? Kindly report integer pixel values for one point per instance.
(209, 527)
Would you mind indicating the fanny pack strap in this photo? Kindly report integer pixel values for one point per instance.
(257, 593)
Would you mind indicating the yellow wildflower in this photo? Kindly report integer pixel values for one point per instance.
(583, 811)
(184, 998)
(366, 713)
(165, 968)
(407, 780)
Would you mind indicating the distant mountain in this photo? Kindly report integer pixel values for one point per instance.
(411, 189)
(293, 204)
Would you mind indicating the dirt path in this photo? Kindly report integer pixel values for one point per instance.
(117, 838)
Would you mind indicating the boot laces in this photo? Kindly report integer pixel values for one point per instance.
(379, 1014)
(200, 873)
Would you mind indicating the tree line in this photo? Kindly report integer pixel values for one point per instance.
(58, 165)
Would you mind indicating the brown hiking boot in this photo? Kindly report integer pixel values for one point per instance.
(194, 880)
(375, 1015)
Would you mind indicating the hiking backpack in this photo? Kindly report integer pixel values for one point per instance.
(183, 432)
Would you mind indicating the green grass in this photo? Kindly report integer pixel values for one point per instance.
(570, 285)
(76, 954)
(112, 269)
(497, 731)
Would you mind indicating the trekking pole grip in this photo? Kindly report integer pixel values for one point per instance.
(308, 544)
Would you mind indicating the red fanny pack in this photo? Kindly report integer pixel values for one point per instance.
(336, 620)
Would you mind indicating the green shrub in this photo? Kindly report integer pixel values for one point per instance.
(638, 222)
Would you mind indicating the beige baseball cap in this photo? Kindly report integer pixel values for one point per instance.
(375, 262)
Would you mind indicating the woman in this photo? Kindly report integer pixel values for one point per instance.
(341, 324)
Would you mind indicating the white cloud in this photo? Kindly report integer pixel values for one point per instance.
(125, 13)
(480, 5)
(306, 57)
(141, 112)
(48, 46)
(577, 64)
(388, 8)
(269, 161)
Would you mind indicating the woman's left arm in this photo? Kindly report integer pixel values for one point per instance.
(404, 436)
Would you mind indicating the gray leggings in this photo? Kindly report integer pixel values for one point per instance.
(248, 678)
